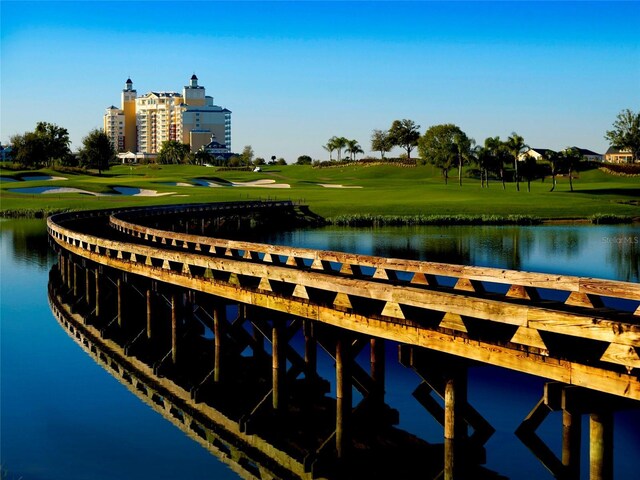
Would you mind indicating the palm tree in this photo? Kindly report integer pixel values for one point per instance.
(555, 161)
(353, 148)
(338, 144)
(515, 144)
(571, 158)
(463, 146)
(330, 147)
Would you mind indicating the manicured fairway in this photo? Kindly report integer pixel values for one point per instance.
(384, 190)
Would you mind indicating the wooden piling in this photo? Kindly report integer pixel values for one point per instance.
(120, 293)
(601, 445)
(149, 312)
(97, 273)
(377, 369)
(174, 328)
(571, 434)
(310, 351)
(343, 395)
(278, 346)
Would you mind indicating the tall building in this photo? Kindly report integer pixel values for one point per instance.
(143, 123)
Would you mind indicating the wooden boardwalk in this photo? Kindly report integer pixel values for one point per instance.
(575, 335)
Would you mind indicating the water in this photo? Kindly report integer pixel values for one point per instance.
(64, 417)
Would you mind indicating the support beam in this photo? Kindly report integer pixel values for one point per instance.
(343, 394)
(279, 364)
(218, 326)
(601, 445)
(149, 312)
(97, 273)
(174, 328)
(377, 369)
(119, 288)
(87, 286)
(310, 351)
(455, 427)
(571, 434)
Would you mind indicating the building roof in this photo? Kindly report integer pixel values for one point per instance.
(193, 77)
(585, 151)
(541, 151)
(614, 150)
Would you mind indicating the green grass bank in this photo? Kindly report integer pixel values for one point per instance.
(354, 191)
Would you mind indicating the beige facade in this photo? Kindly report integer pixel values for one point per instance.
(114, 127)
(149, 120)
(615, 155)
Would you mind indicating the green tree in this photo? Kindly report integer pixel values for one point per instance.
(202, 157)
(172, 152)
(304, 160)
(97, 151)
(626, 133)
(247, 155)
(515, 145)
(529, 169)
(258, 161)
(381, 142)
(445, 146)
(405, 134)
(281, 161)
(571, 158)
(46, 145)
(353, 148)
(329, 147)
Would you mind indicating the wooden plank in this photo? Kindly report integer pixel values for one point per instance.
(622, 355)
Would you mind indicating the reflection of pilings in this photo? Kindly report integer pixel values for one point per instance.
(63, 270)
(601, 445)
(174, 328)
(218, 321)
(279, 363)
(343, 394)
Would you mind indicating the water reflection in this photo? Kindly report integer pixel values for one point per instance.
(29, 240)
(581, 250)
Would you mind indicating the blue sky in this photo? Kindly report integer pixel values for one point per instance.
(296, 73)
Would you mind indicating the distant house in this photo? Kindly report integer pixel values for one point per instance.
(617, 155)
(5, 153)
(536, 153)
(217, 150)
(589, 155)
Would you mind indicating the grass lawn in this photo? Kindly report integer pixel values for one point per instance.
(385, 190)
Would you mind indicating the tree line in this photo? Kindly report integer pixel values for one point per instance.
(48, 146)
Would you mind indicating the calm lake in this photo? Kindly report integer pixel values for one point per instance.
(65, 417)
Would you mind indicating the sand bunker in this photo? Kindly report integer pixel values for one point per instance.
(335, 185)
(140, 192)
(48, 190)
(178, 184)
(41, 178)
(262, 183)
(129, 191)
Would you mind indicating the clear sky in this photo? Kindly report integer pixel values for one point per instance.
(296, 73)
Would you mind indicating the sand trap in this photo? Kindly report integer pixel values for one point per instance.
(178, 184)
(262, 183)
(40, 178)
(129, 191)
(47, 190)
(140, 192)
(335, 185)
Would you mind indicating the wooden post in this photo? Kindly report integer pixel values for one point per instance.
(149, 312)
(310, 351)
(75, 279)
(119, 289)
(97, 293)
(87, 286)
(218, 317)
(449, 428)
(343, 395)
(279, 363)
(601, 445)
(62, 262)
(69, 272)
(378, 369)
(174, 328)
(571, 434)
